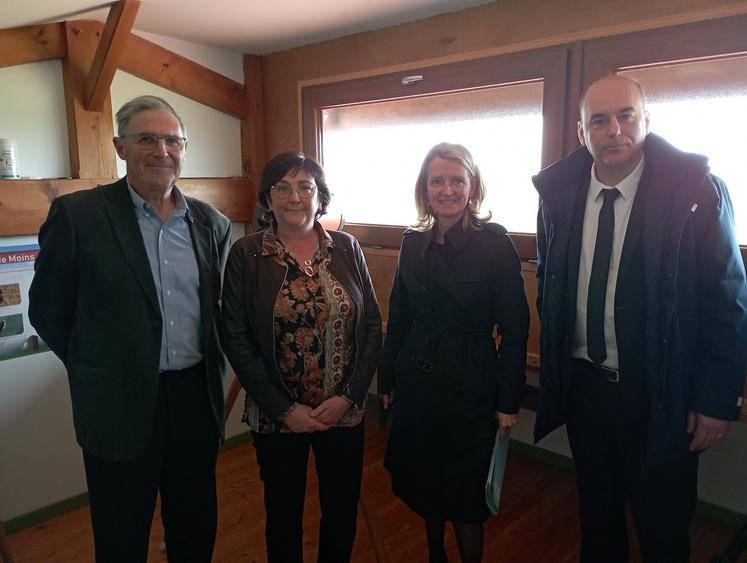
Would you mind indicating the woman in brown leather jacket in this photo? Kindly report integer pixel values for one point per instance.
(302, 329)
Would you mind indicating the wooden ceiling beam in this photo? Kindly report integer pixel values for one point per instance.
(89, 132)
(111, 45)
(160, 66)
(32, 43)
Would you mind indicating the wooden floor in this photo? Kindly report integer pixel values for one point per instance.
(537, 523)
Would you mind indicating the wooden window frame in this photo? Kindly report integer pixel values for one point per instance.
(549, 64)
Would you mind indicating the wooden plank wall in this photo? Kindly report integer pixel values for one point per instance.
(499, 27)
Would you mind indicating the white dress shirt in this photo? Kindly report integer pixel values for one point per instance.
(622, 206)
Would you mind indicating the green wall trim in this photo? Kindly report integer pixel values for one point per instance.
(720, 514)
(236, 440)
(703, 508)
(45, 513)
(550, 458)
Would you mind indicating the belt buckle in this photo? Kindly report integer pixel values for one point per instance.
(609, 375)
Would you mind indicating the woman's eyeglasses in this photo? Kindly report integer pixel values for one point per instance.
(283, 190)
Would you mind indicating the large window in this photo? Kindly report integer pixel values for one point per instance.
(373, 133)
(372, 152)
(702, 107)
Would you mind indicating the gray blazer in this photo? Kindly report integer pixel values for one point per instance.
(94, 302)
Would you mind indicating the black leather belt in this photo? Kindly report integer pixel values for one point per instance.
(197, 368)
(603, 373)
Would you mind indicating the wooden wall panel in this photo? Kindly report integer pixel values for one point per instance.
(490, 29)
(529, 275)
(382, 263)
(253, 156)
(25, 203)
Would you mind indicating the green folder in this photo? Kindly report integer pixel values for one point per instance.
(494, 483)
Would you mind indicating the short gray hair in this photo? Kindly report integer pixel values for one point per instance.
(144, 103)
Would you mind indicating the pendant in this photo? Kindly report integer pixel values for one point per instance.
(308, 270)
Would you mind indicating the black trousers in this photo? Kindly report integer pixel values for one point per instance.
(283, 460)
(179, 462)
(608, 437)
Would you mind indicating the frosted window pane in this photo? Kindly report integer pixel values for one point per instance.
(372, 152)
(701, 107)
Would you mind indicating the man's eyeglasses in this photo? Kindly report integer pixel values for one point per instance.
(283, 190)
(150, 141)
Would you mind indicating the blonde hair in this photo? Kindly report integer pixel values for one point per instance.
(472, 220)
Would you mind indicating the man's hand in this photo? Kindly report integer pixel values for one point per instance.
(330, 411)
(299, 419)
(706, 431)
(506, 421)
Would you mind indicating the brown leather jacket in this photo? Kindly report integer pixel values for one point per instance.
(250, 287)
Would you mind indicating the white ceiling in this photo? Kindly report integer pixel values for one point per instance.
(244, 26)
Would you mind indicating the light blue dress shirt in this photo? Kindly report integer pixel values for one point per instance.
(173, 264)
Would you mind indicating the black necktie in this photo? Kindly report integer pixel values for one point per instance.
(600, 270)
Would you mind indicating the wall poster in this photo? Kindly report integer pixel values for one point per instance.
(17, 336)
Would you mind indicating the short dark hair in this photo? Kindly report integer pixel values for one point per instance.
(144, 103)
(291, 162)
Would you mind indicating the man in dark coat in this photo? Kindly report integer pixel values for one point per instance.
(126, 294)
(642, 299)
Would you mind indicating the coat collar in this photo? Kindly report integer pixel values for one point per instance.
(456, 236)
(666, 166)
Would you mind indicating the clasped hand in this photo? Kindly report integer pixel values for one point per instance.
(305, 419)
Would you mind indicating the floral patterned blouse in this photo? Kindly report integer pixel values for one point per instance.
(314, 329)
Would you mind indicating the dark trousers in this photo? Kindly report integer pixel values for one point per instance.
(608, 439)
(283, 460)
(179, 461)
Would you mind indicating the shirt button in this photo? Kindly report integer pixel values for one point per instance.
(171, 323)
(165, 261)
(168, 292)
(173, 352)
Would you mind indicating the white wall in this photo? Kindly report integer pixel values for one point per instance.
(32, 111)
(213, 148)
(40, 461)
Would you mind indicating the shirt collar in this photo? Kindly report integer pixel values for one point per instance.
(143, 207)
(627, 186)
